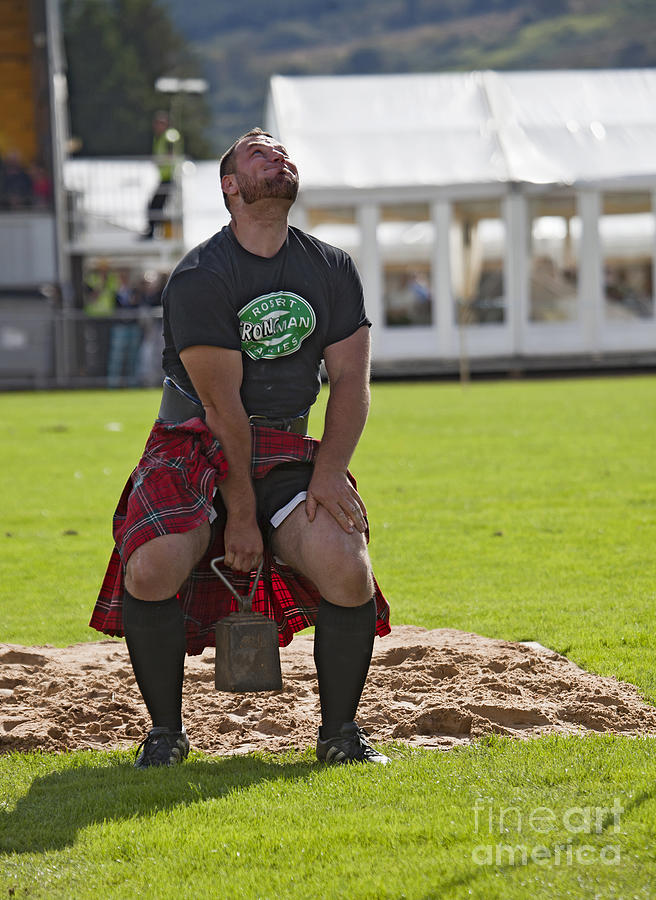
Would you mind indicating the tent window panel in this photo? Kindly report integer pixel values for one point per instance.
(626, 230)
(477, 246)
(554, 255)
(330, 215)
(336, 225)
(406, 239)
(407, 295)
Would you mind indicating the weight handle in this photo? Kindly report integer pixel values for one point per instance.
(245, 602)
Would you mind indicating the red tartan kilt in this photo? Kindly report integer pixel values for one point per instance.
(170, 492)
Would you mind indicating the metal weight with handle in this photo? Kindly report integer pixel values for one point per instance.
(247, 652)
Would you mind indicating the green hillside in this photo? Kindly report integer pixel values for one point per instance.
(241, 45)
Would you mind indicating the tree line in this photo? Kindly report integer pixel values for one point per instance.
(115, 51)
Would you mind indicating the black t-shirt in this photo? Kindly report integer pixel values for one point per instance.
(280, 312)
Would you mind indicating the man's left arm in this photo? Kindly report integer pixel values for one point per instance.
(347, 365)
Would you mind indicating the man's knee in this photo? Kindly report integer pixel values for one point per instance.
(156, 570)
(145, 578)
(335, 561)
(347, 579)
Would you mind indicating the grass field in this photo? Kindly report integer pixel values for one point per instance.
(516, 510)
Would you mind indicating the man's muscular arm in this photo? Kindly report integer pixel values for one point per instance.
(216, 374)
(347, 364)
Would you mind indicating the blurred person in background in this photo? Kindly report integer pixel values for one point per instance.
(100, 286)
(125, 335)
(17, 184)
(152, 345)
(41, 186)
(167, 149)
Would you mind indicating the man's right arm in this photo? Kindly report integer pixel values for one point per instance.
(216, 374)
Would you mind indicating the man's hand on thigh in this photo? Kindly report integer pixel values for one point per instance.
(334, 492)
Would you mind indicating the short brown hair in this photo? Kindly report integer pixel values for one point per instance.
(226, 166)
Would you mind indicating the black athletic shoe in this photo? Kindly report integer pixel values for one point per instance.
(162, 747)
(349, 747)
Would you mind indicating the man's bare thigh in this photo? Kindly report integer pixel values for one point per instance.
(335, 561)
(157, 569)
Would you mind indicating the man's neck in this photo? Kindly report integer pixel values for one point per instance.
(261, 229)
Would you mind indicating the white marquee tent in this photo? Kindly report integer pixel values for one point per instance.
(508, 218)
(383, 131)
(511, 212)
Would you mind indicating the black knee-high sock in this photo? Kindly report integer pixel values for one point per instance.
(155, 635)
(343, 643)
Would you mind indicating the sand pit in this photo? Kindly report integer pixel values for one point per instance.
(433, 689)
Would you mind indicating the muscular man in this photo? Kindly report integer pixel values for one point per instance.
(248, 317)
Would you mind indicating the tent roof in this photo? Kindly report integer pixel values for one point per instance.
(376, 131)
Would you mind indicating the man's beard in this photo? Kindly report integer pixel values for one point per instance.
(281, 187)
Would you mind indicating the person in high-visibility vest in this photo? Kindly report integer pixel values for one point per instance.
(167, 149)
(101, 285)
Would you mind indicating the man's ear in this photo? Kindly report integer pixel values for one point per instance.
(229, 185)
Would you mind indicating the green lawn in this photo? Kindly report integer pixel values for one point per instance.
(519, 510)
(546, 818)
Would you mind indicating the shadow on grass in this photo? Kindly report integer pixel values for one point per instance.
(58, 805)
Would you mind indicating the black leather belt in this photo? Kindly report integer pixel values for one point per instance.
(178, 406)
(295, 424)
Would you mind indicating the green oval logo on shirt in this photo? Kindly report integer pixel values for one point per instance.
(275, 324)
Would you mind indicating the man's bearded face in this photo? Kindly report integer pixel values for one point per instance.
(281, 186)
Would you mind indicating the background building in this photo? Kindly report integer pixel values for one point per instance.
(505, 217)
(32, 139)
(71, 247)
(501, 221)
